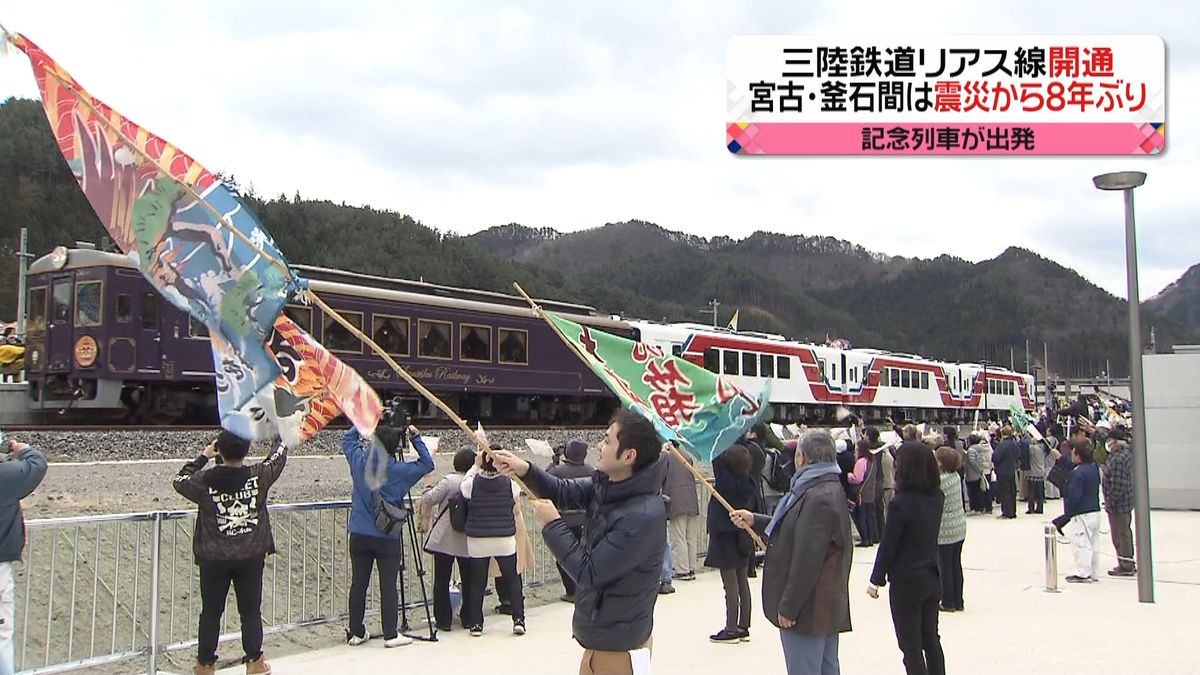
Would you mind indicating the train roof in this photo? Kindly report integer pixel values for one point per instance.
(353, 284)
(314, 273)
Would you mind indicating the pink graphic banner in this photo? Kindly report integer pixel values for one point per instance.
(881, 138)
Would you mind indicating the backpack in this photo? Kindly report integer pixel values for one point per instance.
(777, 475)
(389, 517)
(457, 507)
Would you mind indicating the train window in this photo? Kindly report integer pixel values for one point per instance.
(712, 360)
(904, 379)
(88, 303)
(124, 308)
(475, 342)
(854, 373)
(833, 372)
(338, 338)
(783, 367)
(301, 316)
(924, 380)
(391, 333)
(37, 310)
(821, 367)
(731, 363)
(196, 328)
(514, 345)
(60, 310)
(895, 377)
(150, 311)
(433, 339)
(749, 364)
(766, 365)
(677, 350)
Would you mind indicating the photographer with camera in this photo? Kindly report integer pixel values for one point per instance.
(381, 481)
(232, 540)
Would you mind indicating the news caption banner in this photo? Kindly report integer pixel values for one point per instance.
(946, 95)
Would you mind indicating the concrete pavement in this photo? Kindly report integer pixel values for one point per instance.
(1011, 624)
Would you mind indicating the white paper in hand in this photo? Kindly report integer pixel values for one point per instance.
(481, 434)
(794, 428)
(778, 429)
(539, 447)
(431, 443)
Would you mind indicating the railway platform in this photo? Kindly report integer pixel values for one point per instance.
(1011, 623)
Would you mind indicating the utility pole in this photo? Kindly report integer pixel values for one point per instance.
(22, 271)
(1012, 358)
(1026, 355)
(1046, 366)
(713, 310)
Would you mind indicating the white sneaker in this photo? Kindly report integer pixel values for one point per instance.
(398, 641)
(355, 640)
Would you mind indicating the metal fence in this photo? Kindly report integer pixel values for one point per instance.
(101, 590)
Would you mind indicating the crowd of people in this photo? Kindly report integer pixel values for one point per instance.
(623, 529)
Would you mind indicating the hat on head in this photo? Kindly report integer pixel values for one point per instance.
(577, 450)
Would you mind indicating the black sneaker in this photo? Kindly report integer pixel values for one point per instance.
(518, 626)
(567, 597)
(744, 634)
(504, 609)
(665, 589)
(1073, 579)
(726, 636)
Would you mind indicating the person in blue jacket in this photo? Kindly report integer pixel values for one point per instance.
(1082, 498)
(376, 467)
(22, 469)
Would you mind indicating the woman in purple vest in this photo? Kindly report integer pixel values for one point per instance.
(491, 533)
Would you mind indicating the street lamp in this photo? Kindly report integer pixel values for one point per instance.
(1126, 181)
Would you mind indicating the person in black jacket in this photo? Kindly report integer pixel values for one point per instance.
(617, 563)
(729, 547)
(908, 557)
(232, 540)
(1004, 462)
(574, 465)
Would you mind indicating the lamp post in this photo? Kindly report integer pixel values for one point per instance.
(1126, 181)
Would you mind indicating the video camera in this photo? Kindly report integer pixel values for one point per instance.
(396, 416)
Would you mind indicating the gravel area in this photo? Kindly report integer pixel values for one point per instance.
(316, 471)
(80, 446)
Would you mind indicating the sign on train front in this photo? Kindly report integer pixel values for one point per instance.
(946, 95)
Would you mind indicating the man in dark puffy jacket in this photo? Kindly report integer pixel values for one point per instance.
(574, 465)
(617, 564)
(232, 540)
(22, 469)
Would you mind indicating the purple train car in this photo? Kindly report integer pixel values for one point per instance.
(102, 342)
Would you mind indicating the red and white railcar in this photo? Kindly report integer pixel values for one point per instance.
(810, 381)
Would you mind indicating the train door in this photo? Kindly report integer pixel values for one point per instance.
(149, 343)
(60, 345)
(845, 378)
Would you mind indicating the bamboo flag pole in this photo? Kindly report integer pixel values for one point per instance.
(762, 546)
(412, 381)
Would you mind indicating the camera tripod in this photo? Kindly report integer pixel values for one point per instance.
(410, 532)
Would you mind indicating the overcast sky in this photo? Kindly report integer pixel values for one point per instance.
(467, 115)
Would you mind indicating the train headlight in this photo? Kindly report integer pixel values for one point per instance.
(58, 257)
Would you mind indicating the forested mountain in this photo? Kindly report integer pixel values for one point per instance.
(803, 287)
(1180, 301)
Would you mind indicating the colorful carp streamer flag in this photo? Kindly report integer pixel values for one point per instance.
(202, 248)
(703, 411)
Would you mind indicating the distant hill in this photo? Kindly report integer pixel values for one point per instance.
(1180, 301)
(804, 287)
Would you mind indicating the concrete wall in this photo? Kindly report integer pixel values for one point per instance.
(1172, 428)
(14, 404)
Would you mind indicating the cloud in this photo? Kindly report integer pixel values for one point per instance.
(467, 115)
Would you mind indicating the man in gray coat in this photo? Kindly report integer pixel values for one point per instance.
(21, 471)
(683, 515)
(806, 576)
